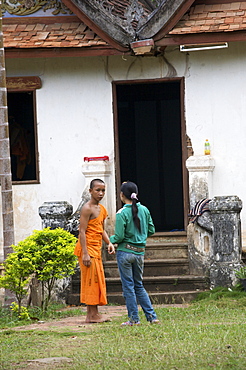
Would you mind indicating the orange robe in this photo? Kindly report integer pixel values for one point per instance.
(93, 286)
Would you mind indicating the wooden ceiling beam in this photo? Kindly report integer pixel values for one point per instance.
(200, 38)
(61, 52)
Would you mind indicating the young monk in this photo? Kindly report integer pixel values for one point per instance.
(88, 250)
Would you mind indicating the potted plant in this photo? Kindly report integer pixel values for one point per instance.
(241, 275)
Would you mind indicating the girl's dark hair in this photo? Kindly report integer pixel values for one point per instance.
(130, 191)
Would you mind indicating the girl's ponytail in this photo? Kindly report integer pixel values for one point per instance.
(130, 190)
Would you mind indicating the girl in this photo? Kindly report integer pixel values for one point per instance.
(133, 225)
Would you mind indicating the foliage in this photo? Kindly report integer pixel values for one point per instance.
(46, 254)
(18, 268)
(220, 293)
(55, 311)
(241, 273)
(53, 258)
(21, 312)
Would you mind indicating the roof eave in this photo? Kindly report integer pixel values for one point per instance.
(163, 19)
(199, 38)
(60, 52)
(100, 23)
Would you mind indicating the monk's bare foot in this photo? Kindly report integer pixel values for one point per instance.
(97, 319)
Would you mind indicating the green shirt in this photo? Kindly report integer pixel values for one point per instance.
(126, 231)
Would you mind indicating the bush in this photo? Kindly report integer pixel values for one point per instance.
(22, 312)
(47, 255)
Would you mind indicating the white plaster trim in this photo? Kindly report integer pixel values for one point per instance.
(96, 169)
(101, 170)
(201, 163)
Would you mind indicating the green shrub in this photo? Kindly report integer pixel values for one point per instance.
(18, 268)
(22, 312)
(47, 255)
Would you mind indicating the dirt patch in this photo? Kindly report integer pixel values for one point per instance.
(75, 323)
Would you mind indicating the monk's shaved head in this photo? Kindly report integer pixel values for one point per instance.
(92, 184)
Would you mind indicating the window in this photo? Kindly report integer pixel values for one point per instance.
(21, 95)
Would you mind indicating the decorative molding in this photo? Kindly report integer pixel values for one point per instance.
(27, 7)
(142, 47)
(23, 83)
(132, 18)
(202, 163)
(200, 177)
(96, 169)
(134, 13)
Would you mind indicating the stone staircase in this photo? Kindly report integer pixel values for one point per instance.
(167, 277)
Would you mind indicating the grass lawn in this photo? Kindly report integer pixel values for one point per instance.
(208, 334)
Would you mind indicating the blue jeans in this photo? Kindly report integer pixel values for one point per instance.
(130, 266)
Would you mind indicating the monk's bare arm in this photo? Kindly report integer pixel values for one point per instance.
(111, 249)
(84, 219)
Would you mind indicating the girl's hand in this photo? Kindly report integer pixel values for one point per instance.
(111, 248)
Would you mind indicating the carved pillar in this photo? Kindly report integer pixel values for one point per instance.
(100, 169)
(200, 177)
(55, 214)
(226, 239)
(96, 169)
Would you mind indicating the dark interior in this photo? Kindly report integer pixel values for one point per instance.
(150, 148)
(22, 136)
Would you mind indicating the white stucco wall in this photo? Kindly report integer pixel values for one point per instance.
(75, 119)
(216, 110)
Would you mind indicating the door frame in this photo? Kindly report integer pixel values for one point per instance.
(183, 137)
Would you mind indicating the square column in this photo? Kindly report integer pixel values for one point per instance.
(226, 248)
(200, 177)
(99, 169)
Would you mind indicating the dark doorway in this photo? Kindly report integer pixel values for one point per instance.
(22, 126)
(149, 142)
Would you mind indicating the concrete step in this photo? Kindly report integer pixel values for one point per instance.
(171, 236)
(157, 284)
(166, 272)
(73, 299)
(162, 287)
(156, 250)
(159, 298)
(156, 298)
(153, 267)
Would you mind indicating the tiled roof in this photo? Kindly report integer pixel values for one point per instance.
(212, 18)
(70, 33)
